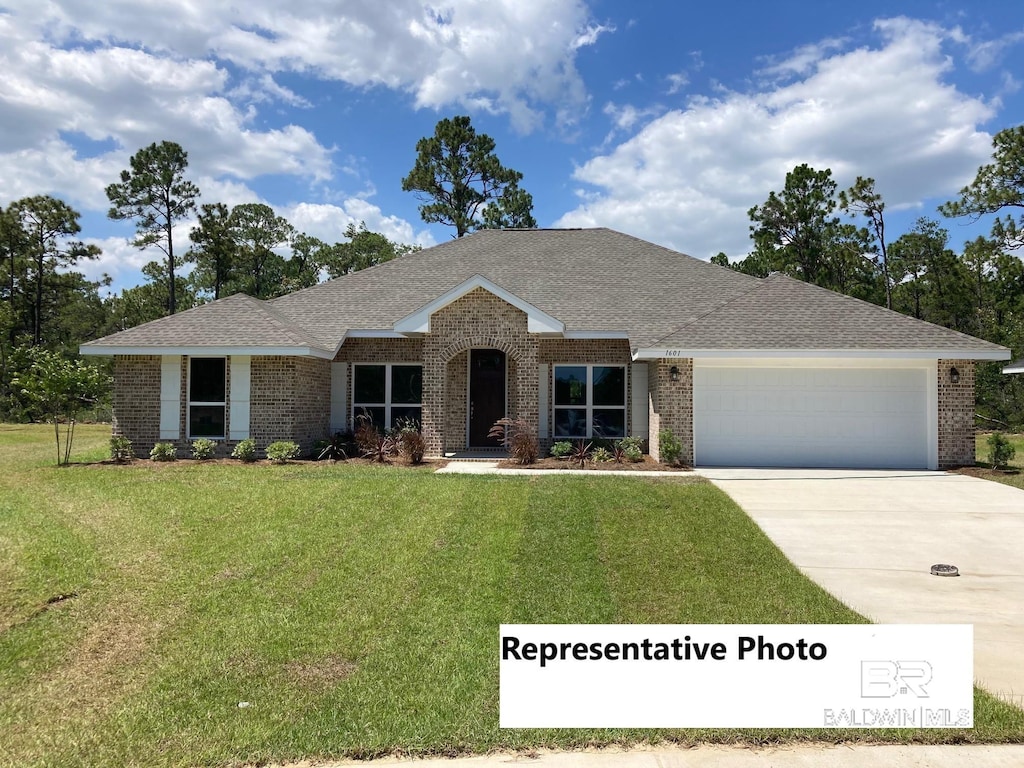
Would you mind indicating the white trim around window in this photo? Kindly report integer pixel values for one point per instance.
(582, 418)
(388, 405)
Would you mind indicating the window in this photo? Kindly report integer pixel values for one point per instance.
(389, 393)
(206, 397)
(590, 401)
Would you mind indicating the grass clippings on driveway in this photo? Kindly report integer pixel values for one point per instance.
(352, 610)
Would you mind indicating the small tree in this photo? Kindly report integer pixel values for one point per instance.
(1000, 452)
(58, 389)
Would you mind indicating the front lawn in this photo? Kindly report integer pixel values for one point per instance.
(1013, 474)
(189, 614)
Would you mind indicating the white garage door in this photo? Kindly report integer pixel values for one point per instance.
(811, 417)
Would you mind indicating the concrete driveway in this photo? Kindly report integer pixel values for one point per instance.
(870, 538)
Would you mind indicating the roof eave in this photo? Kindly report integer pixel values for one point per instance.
(198, 350)
(655, 353)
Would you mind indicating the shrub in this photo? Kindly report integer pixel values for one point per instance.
(333, 449)
(670, 447)
(373, 445)
(601, 455)
(203, 449)
(1000, 452)
(581, 452)
(632, 448)
(280, 451)
(367, 437)
(561, 449)
(163, 452)
(245, 450)
(519, 439)
(411, 444)
(121, 449)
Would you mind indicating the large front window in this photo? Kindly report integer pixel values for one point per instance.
(590, 401)
(388, 393)
(206, 397)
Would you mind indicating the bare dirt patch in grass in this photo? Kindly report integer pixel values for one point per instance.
(96, 672)
(320, 673)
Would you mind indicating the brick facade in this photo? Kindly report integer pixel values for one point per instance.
(137, 400)
(290, 397)
(956, 414)
(289, 400)
(671, 404)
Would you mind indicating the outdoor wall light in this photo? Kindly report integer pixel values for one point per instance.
(954, 376)
(674, 373)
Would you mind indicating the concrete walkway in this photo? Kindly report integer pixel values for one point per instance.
(491, 468)
(870, 537)
(814, 756)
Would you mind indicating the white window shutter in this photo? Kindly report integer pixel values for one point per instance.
(543, 408)
(239, 397)
(170, 397)
(339, 397)
(639, 424)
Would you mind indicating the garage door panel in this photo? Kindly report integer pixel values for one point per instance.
(813, 417)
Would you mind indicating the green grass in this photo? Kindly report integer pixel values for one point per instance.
(1014, 474)
(356, 608)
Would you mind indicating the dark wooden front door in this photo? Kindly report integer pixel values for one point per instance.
(486, 395)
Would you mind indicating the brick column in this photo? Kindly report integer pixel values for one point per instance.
(956, 414)
(671, 404)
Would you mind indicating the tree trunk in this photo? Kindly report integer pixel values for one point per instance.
(37, 320)
(170, 263)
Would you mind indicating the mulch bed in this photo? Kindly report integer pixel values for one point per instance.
(549, 462)
(985, 472)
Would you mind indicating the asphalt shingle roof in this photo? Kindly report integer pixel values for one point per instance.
(782, 313)
(589, 279)
(238, 320)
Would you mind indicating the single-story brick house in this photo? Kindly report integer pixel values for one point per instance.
(580, 333)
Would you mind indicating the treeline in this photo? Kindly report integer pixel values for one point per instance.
(47, 303)
(979, 290)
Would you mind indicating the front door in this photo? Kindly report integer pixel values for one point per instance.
(486, 395)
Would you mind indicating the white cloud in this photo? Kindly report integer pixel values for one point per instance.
(328, 222)
(801, 61)
(676, 82)
(120, 260)
(687, 178)
(626, 116)
(517, 53)
(986, 54)
(589, 35)
(128, 98)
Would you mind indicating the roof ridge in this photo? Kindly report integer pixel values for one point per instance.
(289, 324)
(761, 282)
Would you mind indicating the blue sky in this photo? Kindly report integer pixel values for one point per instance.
(664, 120)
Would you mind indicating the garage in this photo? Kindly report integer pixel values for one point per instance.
(813, 415)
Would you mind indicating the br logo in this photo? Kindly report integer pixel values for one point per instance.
(887, 679)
